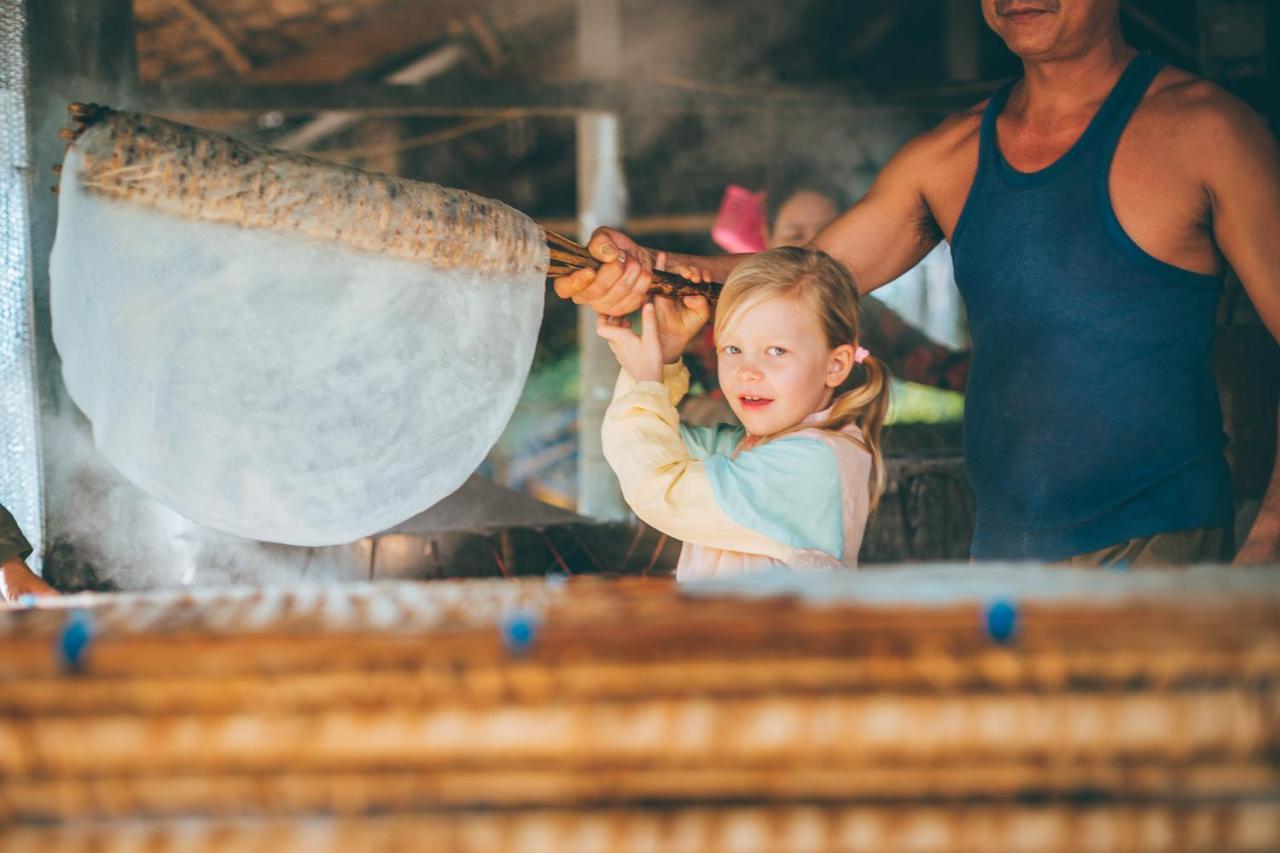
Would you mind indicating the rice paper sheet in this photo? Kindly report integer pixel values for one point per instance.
(281, 348)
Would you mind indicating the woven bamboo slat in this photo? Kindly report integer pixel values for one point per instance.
(1201, 634)
(1206, 828)
(75, 797)
(415, 683)
(1129, 701)
(779, 731)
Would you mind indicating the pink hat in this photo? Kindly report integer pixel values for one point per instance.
(740, 224)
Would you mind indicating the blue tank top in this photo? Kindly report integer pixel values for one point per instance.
(1091, 414)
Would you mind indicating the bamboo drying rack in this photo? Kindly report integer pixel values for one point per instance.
(385, 710)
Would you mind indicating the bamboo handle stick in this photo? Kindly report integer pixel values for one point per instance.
(568, 256)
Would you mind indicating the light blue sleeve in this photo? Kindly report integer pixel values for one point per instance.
(708, 441)
(788, 489)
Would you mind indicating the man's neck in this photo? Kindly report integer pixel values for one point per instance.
(1062, 86)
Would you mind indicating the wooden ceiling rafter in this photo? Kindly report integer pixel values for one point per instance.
(478, 35)
(481, 31)
(216, 35)
(409, 143)
(325, 124)
(352, 52)
(548, 98)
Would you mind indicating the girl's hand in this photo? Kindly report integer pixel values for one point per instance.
(679, 321)
(640, 355)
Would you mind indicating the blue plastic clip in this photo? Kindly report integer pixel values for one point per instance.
(519, 631)
(74, 641)
(28, 600)
(1001, 620)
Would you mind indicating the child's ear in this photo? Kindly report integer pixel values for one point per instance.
(839, 365)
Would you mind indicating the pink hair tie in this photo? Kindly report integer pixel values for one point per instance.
(860, 355)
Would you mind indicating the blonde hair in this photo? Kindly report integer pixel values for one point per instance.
(823, 284)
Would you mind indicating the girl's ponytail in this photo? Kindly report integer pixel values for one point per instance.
(865, 406)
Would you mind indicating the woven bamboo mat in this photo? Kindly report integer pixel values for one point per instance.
(749, 829)
(948, 708)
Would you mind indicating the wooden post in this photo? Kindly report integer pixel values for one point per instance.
(602, 198)
(76, 50)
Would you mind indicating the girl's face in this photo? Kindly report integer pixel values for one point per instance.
(775, 366)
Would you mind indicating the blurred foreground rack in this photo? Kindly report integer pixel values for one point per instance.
(944, 708)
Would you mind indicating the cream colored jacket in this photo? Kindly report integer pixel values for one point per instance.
(799, 502)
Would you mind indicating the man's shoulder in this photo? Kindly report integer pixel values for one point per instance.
(956, 130)
(953, 135)
(1187, 105)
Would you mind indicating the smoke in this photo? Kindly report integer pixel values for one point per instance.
(681, 161)
(105, 533)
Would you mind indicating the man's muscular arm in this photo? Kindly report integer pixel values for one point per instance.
(891, 228)
(1242, 164)
(879, 238)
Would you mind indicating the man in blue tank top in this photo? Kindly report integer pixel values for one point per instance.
(1092, 207)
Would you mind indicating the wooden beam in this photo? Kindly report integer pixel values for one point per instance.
(217, 36)
(393, 33)
(390, 146)
(326, 124)
(476, 97)
(353, 51)
(443, 58)
(376, 99)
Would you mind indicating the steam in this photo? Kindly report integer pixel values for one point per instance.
(105, 533)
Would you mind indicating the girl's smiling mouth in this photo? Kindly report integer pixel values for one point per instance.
(751, 401)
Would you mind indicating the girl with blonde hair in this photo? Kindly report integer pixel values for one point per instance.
(791, 487)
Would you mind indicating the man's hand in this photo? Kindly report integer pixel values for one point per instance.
(621, 285)
(640, 355)
(1262, 546)
(17, 580)
(1259, 549)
